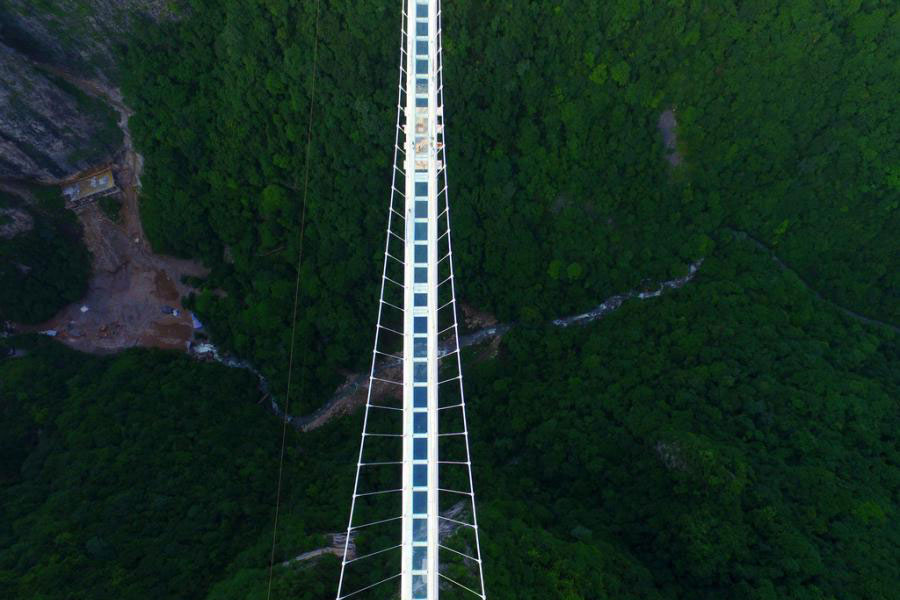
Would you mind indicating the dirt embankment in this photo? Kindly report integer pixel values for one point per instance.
(133, 293)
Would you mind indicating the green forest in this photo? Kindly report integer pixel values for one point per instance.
(735, 438)
(785, 129)
(43, 264)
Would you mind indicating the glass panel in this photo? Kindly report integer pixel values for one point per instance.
(420, 530)
(420, 300)
(420, 324)
(420, 553)
(421, 102)
(420, 422)
(420, 372)
(421, 275)
(419, 587)
(421, 28)
(420, 448)
(420, 347)
(421, 86)
(421, 209)
(422, 231)
(420, 475)
(420, 503)
(420, 397)
(421, 188)
(421, 47)
(421, 10)
(421, 254)
(422, 67)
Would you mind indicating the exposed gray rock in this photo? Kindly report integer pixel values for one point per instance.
(50, 129)
(672, 455)
(82, 36)
(13, 222)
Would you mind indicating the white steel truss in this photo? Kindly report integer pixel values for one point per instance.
(416, 368)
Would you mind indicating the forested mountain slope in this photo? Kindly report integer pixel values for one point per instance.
(735, 438)
(43, 264)
(82, 36)
(49, 129)
(784, 130)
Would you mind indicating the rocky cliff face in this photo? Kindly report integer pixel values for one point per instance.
(49, 129)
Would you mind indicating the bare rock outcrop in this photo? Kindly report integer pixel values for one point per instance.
(49, 129)
(81, 36)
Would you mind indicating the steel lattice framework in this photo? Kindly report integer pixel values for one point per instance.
(413, 484)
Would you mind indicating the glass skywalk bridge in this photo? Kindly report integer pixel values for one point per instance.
(412, 516)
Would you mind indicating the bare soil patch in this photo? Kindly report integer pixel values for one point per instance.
(132, 290)
(353, 393)
(476, 319)
(127, 293)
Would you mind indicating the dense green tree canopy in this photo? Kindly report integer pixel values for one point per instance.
(734, 438)
(784, 130)
(43, 265)
(113, 490)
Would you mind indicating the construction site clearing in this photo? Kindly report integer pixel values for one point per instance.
(89, 188)
(134, 295)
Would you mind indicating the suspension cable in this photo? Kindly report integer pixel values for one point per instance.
(287, 396)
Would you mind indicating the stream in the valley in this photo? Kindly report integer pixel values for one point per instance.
(343, 399)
